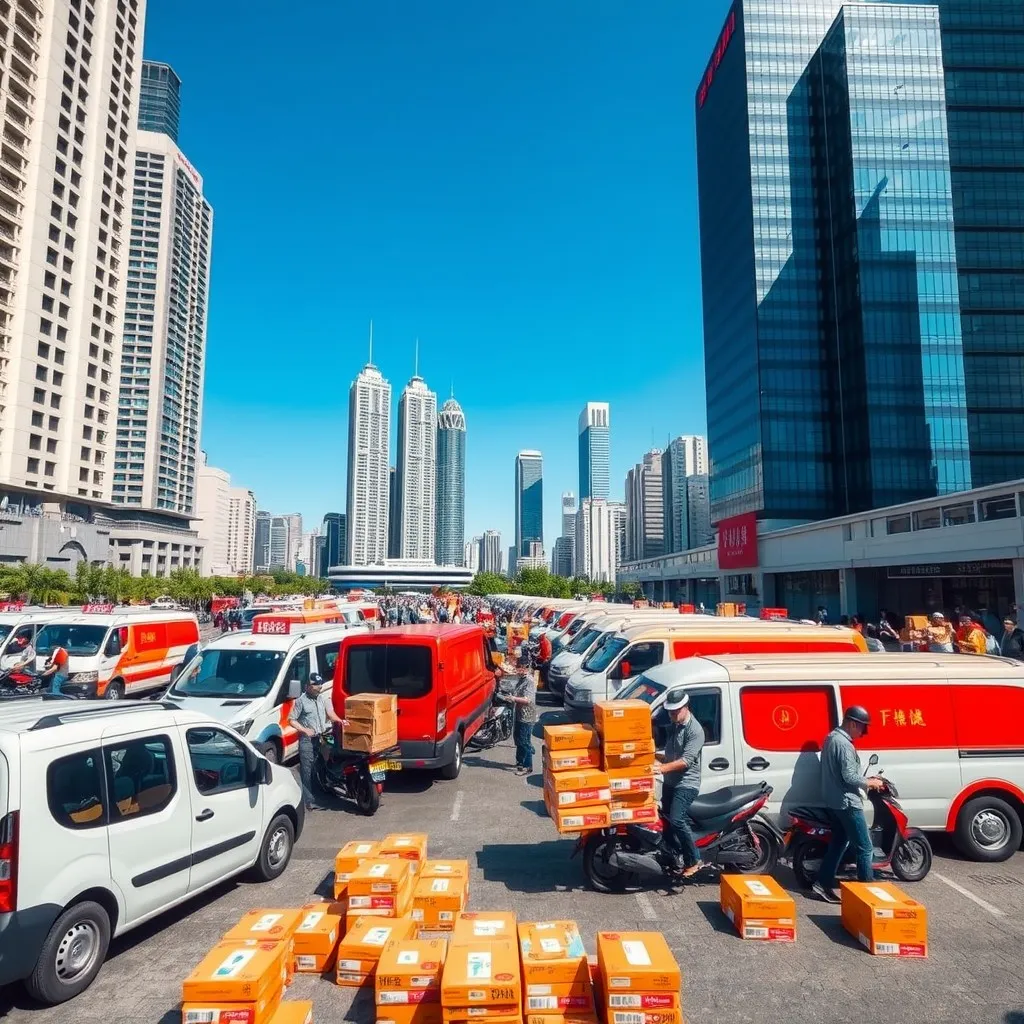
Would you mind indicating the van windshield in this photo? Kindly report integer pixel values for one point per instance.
(221, 673)
(641, 688)
(581, 644)
(78, 640)
(605, 654)
(401, 669)
(5, 632)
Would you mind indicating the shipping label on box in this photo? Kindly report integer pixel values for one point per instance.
(411, 965)
(489, 924)
(570, 760)
(631, 780)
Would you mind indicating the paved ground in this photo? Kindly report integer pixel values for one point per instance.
(496, 821)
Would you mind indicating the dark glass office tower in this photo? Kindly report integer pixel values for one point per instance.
(159, 99)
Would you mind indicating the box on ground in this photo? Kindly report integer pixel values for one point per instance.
(381, 888)
(482, 973)
(568, 760)
(884, 920)
(627, 754)
(406, 846)
(758, 907)
(259, 1010)
(570, 737)
(238, 970)
(485, 924)
(556, 975)
(622, 721)
(416, 1013)
(349, 857)
(315, 942)
(294, 1012)
(272, 925)
(436, 902)
(445, 869)
(360, 949)
(639, 962)
(559, 1018)
(409, 972)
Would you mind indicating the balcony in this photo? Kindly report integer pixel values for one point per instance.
(12, 160)
(16, 139)
(25, 52)
(33, 8)
(11, 189)
(22, 74)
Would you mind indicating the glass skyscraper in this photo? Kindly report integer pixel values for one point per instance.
(529, 502)
(840, 372)
(595, 451)
(450, 546)
(159, 99)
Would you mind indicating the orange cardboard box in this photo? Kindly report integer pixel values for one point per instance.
(570, 781)
(369, 743)
(360, 949)
(624, 811)
(758, 907)
(383, 876)
(637, 778)
(560, 1018)
(445, 869)
(620, 721)
(553, 957)
(482, 972)
(237, 971)
(275, 925)
(884, 920)
(570, 737)
(409, 971)
(349, 857)
(509, 1014)
(315, 942)
(405, 845)
(579, 819)
(628, 754)
(567, 760)
(637, 962)
(668, 1016)
(369, 712)
(260, 1010)
(384, 904)
(485, 924)
(436, 902)
(352, 979)
(417, 1013)
(575, 797)
(295, 1012)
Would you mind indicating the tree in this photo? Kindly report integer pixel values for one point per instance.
(485, 583)
(630, 591)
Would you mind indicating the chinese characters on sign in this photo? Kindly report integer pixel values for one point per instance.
(716, 58)
(737, 542)
(902, 717)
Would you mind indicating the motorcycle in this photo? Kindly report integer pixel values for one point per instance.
(497, 727)
(730, 833)
(351, 774)
(898, 848)
(17, 685)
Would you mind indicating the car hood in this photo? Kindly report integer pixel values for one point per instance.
(566, 661)
(224, 709)
(585, 680)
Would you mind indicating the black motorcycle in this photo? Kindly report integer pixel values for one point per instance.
(497, 727)
(351, 774)
(730, 833)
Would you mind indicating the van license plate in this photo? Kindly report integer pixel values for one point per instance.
(386, 766)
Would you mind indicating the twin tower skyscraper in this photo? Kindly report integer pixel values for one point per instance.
(421, 503)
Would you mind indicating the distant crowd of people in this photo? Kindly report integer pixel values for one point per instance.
(964, 632)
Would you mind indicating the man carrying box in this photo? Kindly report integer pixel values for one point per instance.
(680, 768)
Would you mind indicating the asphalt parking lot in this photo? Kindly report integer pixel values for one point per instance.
(497, 822)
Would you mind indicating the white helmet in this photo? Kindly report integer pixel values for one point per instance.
(677, 699)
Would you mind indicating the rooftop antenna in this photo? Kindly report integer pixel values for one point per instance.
(416, 365)
(371, 343)
(453, 388)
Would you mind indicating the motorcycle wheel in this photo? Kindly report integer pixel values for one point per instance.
(482, 738)
(320, 779)
(912, 859)
(769, 850)
(600, 873)
(367, 796)
(807, 862)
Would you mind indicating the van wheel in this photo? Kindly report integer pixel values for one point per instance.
(276, 849)
(72, 954)
(269, 751)
(451, 770)
(114, 690)
(988, 829)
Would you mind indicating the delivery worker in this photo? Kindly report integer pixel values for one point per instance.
(680, 769)
(940, 635)
(55, 671)
(309, 717)
(20, 655)
(970, 637)
(843, 789)
(524, 700)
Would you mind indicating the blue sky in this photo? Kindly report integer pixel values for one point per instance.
(512, 182)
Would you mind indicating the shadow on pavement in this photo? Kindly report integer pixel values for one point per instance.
(476, 761)
(325, 888)
(537, 806)
(713, 912)
(531, 867)
(408, 782)
(832, 926)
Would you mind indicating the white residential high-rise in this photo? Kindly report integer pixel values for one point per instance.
(490, 551)
(296, 543)
(471, 554)
(645, 522)
(417, 470)
(279, 542)
(241, 529)
(213, 511)
(164, 351)
(70, 94)
(369, 439)
(597, 540)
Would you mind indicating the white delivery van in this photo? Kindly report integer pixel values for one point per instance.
(947, 729)
(18, 631)
(113, 813)
(118, 653)
(560, 639)
(250, 680)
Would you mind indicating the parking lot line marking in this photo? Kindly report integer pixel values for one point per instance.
(646, 907)
(457, 807)
(984, 904)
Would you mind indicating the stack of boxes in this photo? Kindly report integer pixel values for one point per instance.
(440, 894)
(371, 722)
(884, 920)
(640, 979)
(239, 980)
(315, 941)
(758, 907)
(481, 982)
(349, 857)
(381, 888)
(576, 791)
(557, 987)
(569, 747)
(360, 950)
(627, 754)
(408, 988)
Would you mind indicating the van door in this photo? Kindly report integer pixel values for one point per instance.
(298, 669)
(150, 816)
(227, 811)
(780, 732)
(710, 706)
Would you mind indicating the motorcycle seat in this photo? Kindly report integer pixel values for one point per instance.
(724, 801)
(811, 814)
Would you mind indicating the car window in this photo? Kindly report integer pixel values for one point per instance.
(603, 656)
(77, 640)
(641, 657)
(706, 707)
(218, 761)
(141, 776)
(298, 668)
(326, 656)
(25, 633)
(401, 669)
(74, 790)
(641, 689)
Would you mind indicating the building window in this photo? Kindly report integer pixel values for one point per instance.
(1003, 507)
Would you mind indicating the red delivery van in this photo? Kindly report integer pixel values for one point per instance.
(444, 680)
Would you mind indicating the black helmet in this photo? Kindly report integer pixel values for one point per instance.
(857, 714)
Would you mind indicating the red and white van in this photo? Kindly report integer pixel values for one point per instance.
(948, 731)
(443, 678)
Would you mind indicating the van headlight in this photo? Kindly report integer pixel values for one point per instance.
(583, 696)
(242, 728)
(84, 677)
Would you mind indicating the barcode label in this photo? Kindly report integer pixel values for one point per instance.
(305, 962)
(200, 1016)
(542, 1003)
(621, 1001)
(887, 948)
(391, 998)
(627, 1018)
(350, 965)
(752, 932)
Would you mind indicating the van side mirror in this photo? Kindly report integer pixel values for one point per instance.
(294, 689)
(625, 670)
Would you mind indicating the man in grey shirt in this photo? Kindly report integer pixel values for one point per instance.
(680, 769)
(309, 716)
(842, 789)
(524, 700)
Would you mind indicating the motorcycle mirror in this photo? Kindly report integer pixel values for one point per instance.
(872, 760)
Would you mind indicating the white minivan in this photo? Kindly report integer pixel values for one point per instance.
(250, 680)
(948, 731)
(111, 813)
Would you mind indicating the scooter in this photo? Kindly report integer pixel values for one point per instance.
(17, 685)
(351, 774)
(731, 833)
(898, 848)
(497, 727)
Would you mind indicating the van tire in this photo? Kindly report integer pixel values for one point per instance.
(276, 849)
(114, 690)
(452, 769)
(270, 751)
(988, 829)
(83, 923)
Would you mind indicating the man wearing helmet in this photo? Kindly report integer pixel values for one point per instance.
(843, 789)
(680, 769)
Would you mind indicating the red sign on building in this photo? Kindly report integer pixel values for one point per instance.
(737, 542)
